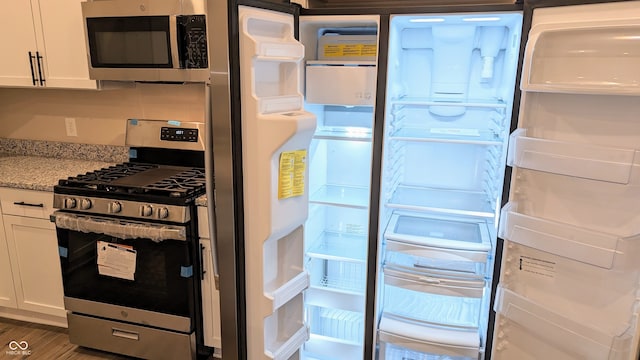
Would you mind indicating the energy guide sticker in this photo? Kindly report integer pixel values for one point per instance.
(291, 173)
(116, 260)
(541, 268)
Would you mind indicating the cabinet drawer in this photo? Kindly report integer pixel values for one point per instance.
(37, 204)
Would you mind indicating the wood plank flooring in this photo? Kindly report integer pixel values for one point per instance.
(45, 343)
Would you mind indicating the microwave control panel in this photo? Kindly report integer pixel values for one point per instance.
(192, 41)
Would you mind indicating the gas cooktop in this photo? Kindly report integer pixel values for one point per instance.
(138, 182)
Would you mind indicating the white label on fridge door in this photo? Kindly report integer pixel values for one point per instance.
(291, 173)
(116, 260)
(537, 267)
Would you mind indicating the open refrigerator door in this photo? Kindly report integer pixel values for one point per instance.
(276, 132)
(570, 278)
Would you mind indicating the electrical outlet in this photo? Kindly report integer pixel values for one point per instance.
(70, 125)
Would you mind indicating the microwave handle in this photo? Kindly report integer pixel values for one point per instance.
(173, 41)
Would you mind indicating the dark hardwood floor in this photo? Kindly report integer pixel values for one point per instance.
(44, 343)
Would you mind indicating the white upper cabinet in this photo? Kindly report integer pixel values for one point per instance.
(43, 45)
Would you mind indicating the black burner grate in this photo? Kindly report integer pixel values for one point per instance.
(139, 178)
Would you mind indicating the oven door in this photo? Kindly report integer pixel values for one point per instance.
(125, 270)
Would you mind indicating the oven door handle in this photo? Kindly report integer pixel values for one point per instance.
(123, 229)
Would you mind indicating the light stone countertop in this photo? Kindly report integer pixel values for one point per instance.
(41, 173)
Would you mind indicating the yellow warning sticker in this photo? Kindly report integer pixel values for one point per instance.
(291, 173)
(346, 50)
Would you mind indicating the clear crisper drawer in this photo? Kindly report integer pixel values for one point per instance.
(585, 58)
(442, 238)
(432, 300)
(400, 337)
(530, 330)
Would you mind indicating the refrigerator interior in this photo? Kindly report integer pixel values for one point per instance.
(570, 276)
(340, 58)
(450, 87)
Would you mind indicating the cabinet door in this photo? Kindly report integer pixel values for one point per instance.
(7, 292)
(33, 249)
(17, 38)
(63, 44)
(210, 299)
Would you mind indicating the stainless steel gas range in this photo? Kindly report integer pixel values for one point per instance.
(127, 237)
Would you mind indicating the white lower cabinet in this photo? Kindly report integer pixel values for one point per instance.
(210, 294)
(30, 275)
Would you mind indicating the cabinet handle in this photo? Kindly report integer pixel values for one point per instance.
(22, 203)
(203, 271)
(131, 335)
(33, 75)
(42, 80)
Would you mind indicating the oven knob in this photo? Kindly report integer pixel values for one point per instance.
(69, 203)
(115, 207)
(146, 210)
(85, 204)
(163, 213)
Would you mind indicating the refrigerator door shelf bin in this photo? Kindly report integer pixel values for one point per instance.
(571, 159)
(448, 134)
(340, 247)
(416, 282)
(288, 291)
(596, 57)
(578, 244)
(457, 343)
(284, 350)
(445, 201)
(440, 233)
(348, 196)
(561, 335)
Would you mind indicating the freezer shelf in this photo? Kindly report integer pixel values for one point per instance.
(325, 348)
(435, 301)
(455, 202)
(349, 196)
(422, 338)
(572, 159)
(563, 338)
(338, 246)
(345, 134)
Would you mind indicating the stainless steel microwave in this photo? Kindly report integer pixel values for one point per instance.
(147, 40)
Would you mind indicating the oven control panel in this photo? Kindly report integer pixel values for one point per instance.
(178, 134)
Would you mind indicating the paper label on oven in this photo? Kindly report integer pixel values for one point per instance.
(291, 173)
(116, 260)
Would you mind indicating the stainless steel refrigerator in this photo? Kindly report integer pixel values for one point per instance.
(420, 180)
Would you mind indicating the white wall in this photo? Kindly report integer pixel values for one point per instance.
(39, 114)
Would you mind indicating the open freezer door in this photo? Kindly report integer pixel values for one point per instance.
(276, 133)
(569, 277)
